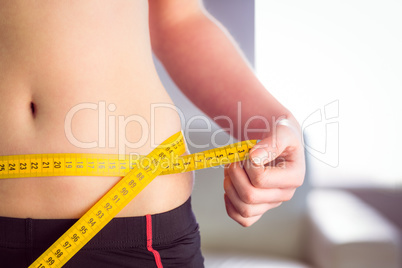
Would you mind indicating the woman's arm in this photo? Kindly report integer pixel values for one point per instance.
(207, 65)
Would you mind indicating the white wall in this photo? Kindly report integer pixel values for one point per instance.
(341, 60)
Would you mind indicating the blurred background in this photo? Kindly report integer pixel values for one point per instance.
(337, 65)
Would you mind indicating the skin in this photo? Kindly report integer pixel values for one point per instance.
(57, 54)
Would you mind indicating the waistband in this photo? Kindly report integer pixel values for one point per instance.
(118, 233)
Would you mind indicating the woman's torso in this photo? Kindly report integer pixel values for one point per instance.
(76, 74)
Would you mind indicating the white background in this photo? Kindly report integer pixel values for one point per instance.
(312, 53)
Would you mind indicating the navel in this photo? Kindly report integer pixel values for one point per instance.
(33, 109)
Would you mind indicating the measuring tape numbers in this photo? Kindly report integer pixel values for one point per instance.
(45, 165)
(137, 174)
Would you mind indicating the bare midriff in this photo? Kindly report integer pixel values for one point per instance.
(78, 77)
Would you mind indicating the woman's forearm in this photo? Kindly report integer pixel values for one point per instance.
(207, 65)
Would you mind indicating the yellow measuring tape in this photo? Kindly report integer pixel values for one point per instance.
(137, 174)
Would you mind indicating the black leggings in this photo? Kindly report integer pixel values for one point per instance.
(169, 239)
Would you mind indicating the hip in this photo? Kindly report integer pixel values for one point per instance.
(124, 242)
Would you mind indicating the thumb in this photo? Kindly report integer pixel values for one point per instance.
(269, 148)
(263, 152)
